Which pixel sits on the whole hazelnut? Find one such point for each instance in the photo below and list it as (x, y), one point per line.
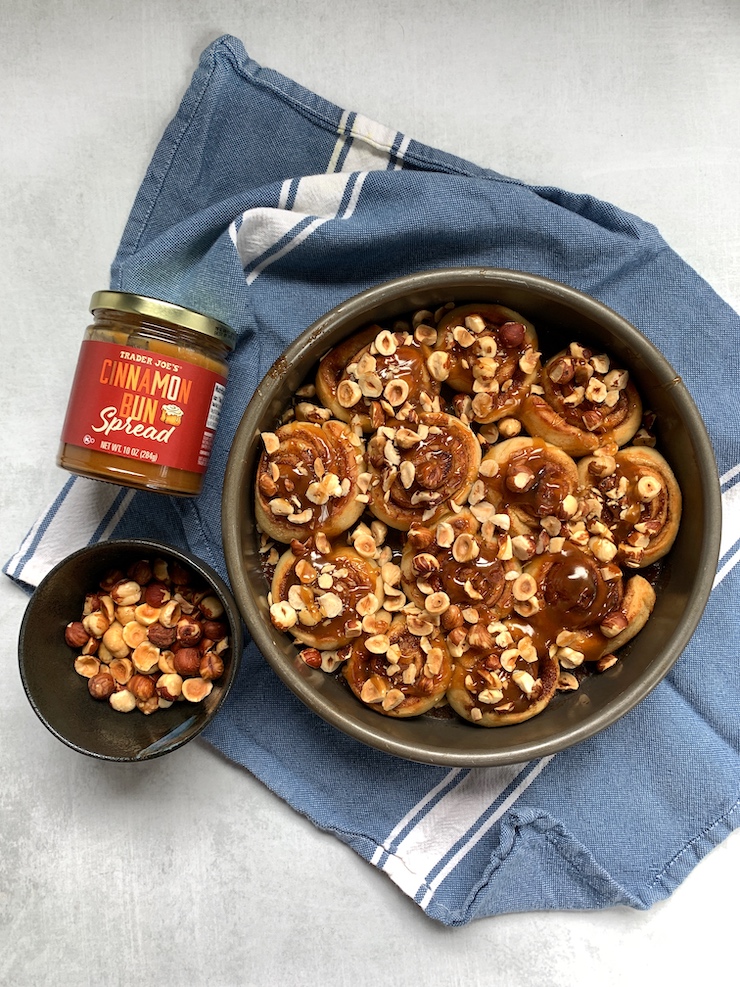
(75, 634)
(125, 593)
(211, 666)
(110, 579)
(188, 631)
(141, 572)
(156, 594)
(179, 575)
(511, 334)
(141, 686)
(452, 618)
(123, 701)
(169, 687)
(211, 607)
(214, 629)
(163, 637)
(101, 686)
(187, 662)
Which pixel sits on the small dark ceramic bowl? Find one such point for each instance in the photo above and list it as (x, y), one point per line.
(59, 696)
(560, 314)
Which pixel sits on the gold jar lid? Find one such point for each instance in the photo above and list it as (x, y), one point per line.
(124, 301)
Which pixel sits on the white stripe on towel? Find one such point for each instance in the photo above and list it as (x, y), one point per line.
(448, 821)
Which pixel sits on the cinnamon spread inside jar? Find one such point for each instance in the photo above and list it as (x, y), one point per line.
(147, 394)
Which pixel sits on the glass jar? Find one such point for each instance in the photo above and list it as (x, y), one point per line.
(147, 394)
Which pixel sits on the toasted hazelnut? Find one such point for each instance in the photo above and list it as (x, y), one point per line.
(141, 686)
(437, 603)
(211, 666)
(121, 669)
(188, 631)
(101, 686)
(211, 607)
(124, 615)
(187, 662)
(613, 624)
(145, 657)
(465, 548)
(196, 689)
(109, 580)
(511, 334)
(524, 587)
(215, 629)
(156, 594)
(87, 665)
(75, 634)
(166, 662)
(123, 701)
(96, 623)
(125, 592)
(169, 687)
(452, 617)
(162, 637)
(141, 572)
(114, 642)
(170, 613)
(146, 614)
(150, 705)
(133, 634)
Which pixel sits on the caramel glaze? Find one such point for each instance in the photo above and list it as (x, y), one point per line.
(442, 467)
(573, 595)
(544, 495)
(486, 573)
(479, 670)
(621, 512)
(418, 696)
(588, 415)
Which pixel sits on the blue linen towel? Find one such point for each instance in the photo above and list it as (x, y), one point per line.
(265, 206)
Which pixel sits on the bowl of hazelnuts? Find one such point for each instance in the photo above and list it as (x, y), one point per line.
(128, 648)
(471, 516)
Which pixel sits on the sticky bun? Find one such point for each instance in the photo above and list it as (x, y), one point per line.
(586, 401)
(307, 480)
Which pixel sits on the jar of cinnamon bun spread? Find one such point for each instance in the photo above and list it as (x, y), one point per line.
(147, 394)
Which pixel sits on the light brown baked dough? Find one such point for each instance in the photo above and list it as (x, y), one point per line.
(530, 479)
(307, 480)
(321, 599)
(454, 564)
(422, 471)
(490, 353)
(587, 401)
(402, 673)
(635, 494)
(384, 380)
(502, 677)
(583, 606)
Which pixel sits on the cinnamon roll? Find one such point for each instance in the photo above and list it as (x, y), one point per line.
(635, 495)
(420, 472)
(307, 480)
(586, 402)
(581, 605)
(322, 599)
(457, 564)
(404, 672)
(503, 676)
(490, 353)
(530, 479)
(384, 380)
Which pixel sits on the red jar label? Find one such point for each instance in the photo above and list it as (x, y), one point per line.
(144, 406)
